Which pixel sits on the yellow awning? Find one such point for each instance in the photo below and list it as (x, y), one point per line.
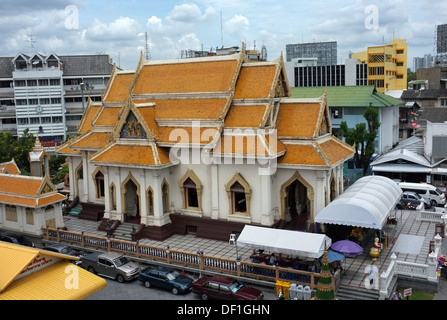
(60, 281)
(34, 274)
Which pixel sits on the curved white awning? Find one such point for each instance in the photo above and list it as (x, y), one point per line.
(366, 203)
(303, 244)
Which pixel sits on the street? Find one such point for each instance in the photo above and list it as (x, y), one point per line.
(135, 290)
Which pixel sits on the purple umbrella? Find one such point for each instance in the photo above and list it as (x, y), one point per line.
(347, 247)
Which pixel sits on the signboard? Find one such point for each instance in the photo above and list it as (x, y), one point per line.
(407, 292)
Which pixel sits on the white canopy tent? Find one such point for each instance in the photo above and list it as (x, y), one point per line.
(367, 204)
(297, 243)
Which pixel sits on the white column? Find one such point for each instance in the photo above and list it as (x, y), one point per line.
(214, 191)
(86, 177)
(266, 200)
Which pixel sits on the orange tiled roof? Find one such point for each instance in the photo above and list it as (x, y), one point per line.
(202, 135)
(302, 155)
(248, 145)
(335, 151)
(245, 116)
(181, 77)
(148, 114)
(17, 184)
(297, 119)
(189, 108)
(66, 149)
(31, 202)
(9, 167)
(255, 82)
(92, 139)
(132, 154)
(91, 113)
(108, 116)
(120, 88)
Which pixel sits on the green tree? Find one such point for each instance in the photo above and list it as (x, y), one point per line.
(17, 149)
(362, 137)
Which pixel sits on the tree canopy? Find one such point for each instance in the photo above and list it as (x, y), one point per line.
(17, 149)
(362, 136)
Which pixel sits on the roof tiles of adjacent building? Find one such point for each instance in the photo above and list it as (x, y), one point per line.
(349, 96)
(28, 191)
(167, 98)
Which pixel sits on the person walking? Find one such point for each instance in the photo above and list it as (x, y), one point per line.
(397, 295)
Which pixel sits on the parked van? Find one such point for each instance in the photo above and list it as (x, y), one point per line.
(426, 190)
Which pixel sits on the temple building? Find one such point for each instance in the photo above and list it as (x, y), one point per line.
(204, 146)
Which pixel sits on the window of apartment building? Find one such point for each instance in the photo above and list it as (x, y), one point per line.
(23, 121)
(55, 100)
(21, 102)
(443, 102)
(55, 82)
(20, 64)
(44, 101)
(20, 83)
(9, 121)
(57, 119)
(73, 118)
(33, 101)
(45, 120)
(400, 51)
(34, 120)
(31, 83)
(399, 76)
(43, 82)
(52, 63)
(400, 64)
(337, 113)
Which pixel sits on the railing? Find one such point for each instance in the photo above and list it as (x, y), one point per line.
(415, 270)
(432, 216)
(197, 260)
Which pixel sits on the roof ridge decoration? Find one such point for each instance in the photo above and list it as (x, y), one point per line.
(324, 124)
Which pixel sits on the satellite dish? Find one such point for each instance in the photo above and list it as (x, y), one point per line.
(36, 62)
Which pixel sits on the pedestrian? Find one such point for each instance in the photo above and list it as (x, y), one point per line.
(397, 295)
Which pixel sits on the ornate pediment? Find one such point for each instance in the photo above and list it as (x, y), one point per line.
(132, 128)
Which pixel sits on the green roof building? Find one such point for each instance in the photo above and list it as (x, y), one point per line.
(348, 103)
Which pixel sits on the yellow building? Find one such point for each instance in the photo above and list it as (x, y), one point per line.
(387, 65)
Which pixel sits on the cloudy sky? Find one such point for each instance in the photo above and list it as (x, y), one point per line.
(118, 28)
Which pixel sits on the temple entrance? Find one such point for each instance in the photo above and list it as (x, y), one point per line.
(296, 207)
(131, 202)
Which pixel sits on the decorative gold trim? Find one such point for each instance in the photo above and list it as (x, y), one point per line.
(310, 195)
(239, 178)
(199, 187)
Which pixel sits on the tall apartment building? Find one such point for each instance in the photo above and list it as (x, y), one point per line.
(47, 94)
(387, 65)
(325, 52)
(424, 62)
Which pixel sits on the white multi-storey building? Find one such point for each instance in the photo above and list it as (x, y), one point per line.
(47, 93)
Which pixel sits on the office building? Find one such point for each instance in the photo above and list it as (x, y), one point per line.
(325, 52)
(387, 65)
(47, 94)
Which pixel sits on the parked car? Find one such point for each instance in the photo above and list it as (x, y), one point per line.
(166, 278)
(66, 249)
(428, 191)
(17, 239)
(414, 199)
(443, 189)
(225, 288)
(110, 264)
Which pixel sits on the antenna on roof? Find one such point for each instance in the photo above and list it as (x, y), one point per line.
(31, 41)
(221, 33)
(148, 54)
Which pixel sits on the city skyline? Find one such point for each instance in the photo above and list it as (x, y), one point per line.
(118, 28)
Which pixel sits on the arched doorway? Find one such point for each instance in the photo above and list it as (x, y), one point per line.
(131, 203)
(297, 204)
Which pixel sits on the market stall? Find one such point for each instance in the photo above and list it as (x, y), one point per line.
(294, 243)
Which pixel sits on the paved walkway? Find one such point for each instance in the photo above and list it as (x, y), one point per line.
(408, 226)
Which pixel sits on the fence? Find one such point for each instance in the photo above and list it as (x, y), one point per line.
(197, 260)
(421, 271)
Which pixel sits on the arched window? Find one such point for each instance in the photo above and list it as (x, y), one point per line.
(150, 202)
(191, 190)
(239, 195)
(191, 198)
(99, 183)
(238, 198)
